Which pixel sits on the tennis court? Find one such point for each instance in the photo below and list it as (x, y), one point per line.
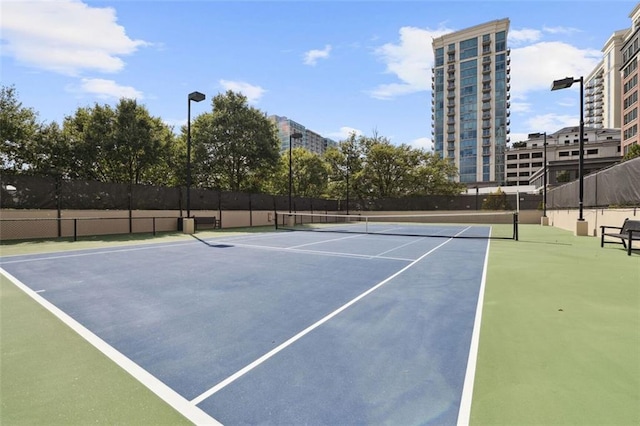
(281, 327)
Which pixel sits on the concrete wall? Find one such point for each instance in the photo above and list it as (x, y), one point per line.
(31, 224)
(567, 219)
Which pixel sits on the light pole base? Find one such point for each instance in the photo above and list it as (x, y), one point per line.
(582, 228)
(544, 221)
(188, 225)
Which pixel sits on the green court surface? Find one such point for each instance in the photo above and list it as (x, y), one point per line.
(559, 343)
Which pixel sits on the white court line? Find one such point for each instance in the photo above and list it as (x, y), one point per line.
(304, 332)
(396, 248)
(319, 252)
(171, 397)
(464, 412)
(326, 241)
(93, 252)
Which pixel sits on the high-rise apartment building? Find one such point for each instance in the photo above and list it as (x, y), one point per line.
(630, 72)
(602, 87)
(470, 100)
(310, 140)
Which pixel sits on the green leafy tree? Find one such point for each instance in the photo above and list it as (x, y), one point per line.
(124, 144)
(496, 201)
(435, 176)
(310, 173)
(344, 164)
(633, 152)
(234, 145)
(53, 152)
(388, 170)
(18, 127)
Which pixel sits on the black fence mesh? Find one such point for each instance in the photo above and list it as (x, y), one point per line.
(33, 192)
(617, 186)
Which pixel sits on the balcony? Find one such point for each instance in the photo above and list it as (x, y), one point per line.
(486, 60)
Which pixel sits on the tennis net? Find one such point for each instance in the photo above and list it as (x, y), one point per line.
(500, 225)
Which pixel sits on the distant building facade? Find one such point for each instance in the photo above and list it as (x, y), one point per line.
(525, 160)
(310, 140)
(603, 87)
(630, 73)
(470, 100)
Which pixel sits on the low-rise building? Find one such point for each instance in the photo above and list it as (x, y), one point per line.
(525, 160)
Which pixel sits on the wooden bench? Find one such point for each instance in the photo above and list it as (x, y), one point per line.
(627, 233)
(210, 222)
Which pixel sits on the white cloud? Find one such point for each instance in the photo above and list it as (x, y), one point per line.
(109, 89)
(536, 66)
(253, 93)
(422, 143)
(552, 122)
(561, 30)
(311, 57)
(524, 35)
(65, 36)
(345, 132)
(410, 60)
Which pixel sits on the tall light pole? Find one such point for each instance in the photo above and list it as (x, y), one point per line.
(348, 170)
(544, 180)
(296, 135)
(563, 84)
(196, 97)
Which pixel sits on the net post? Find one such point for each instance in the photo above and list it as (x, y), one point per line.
(75, 229)
(515, 226)
(276, 220)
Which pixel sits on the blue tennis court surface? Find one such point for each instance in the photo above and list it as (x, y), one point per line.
(283, 327)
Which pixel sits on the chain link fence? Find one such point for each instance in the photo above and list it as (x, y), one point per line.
(617, 186)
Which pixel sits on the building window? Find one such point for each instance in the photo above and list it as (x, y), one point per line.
(536, 155)
(563, 154)
(524, 156)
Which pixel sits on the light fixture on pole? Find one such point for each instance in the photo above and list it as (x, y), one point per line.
(196, 97)
(295, 135)
(564, 84)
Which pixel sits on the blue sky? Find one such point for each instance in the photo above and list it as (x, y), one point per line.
(333, 66)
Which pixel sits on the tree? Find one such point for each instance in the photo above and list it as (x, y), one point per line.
(123, 145)
(18, 127)
(233, 144)
(344, 164)
(310, 173)
(392, 171)
(496, 201)
(435, 176)
(633, 152)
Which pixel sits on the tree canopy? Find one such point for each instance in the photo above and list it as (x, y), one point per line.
(234, 147)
